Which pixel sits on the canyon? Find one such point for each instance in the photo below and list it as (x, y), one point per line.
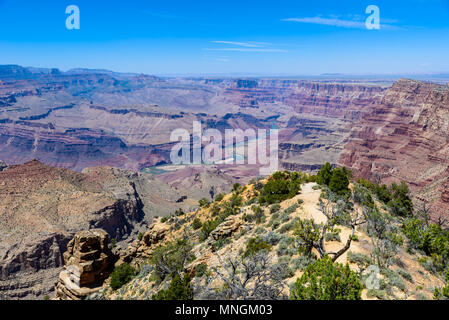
(83, 118)
(90, 149)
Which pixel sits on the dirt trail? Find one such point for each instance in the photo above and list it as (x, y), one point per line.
(311, 202)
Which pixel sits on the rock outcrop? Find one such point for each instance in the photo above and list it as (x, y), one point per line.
(227, 227)
(88, 262)
(155, 234)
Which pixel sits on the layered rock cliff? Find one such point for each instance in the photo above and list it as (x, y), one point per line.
(405, 138)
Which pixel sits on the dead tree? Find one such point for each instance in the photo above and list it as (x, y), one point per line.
(245, 278)
(338, 211)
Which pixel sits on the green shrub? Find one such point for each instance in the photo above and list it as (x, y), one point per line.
(204, 203)
(272, 238)
(122, 275)
(325, 280)
(362, 260)
(222, 242)
(291, 209)
(405, 274)
(339, 182)
(219, 197)
(324, 175)
(308, 234)
(289, 226)
(332, 236)
(281, 186)
(236, 187)
(401, 203)
(394, 279)
(444, 292)
(179, 289)
(431, 239)
(196, 224)
(260, 230)
(302, 262)
(379, 294)
(275, 208)
(286, 246)
(208, 227)
(201, 270)
(258, 213)
(235, 201)
(273, 218)
(256, 245)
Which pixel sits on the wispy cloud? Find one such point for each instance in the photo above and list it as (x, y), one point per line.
(246, 46)
(242, 44)
(246, 49)
(356, 23)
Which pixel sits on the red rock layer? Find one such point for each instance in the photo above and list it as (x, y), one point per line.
(405, 138)
(340, 100)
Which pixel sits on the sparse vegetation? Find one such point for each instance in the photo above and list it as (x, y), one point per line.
(272, 252)
(326, 280)
(121, 276)
(196, 224)
(275, 208)
(385, 237)
(256, 245)
(430, 238)
(204, 203)
(171, 259)
(179, 289)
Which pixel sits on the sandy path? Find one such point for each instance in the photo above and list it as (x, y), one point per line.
(311, 203)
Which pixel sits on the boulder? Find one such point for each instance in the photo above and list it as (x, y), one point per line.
(155, 234)
(227, 227)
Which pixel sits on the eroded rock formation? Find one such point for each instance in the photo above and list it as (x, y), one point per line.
(88, 261)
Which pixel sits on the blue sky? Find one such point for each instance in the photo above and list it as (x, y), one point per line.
(277, 37)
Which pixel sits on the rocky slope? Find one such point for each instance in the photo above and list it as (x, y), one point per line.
(405, 138)
(41, 208)
(406, 278)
